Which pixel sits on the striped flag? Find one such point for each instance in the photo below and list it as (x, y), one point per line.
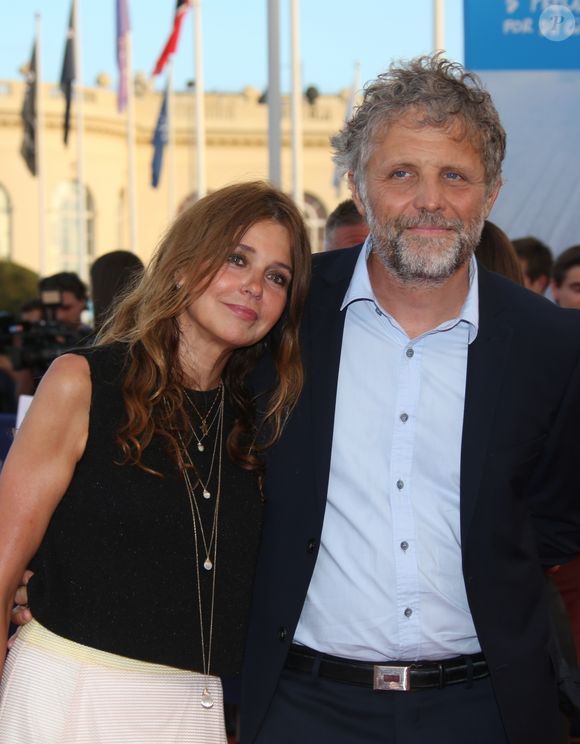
(28, 148)
(171, 45)
(160, 137)
(68, 74)
(123, 29)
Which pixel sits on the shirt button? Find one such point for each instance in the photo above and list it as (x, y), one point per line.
(400, 484)
(404, 545)
(404, 417)
(408, 612)
(409, 352)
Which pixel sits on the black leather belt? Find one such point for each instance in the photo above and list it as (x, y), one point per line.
(393, 675)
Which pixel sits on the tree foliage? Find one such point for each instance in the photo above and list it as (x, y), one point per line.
(17, 286)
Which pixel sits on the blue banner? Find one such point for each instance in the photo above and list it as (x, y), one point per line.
(522, 34)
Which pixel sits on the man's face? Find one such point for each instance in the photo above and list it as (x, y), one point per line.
(70, 309)
(537, 285)
(426, 199)
(568, 293)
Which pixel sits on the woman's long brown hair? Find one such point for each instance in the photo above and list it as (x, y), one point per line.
(194, 248)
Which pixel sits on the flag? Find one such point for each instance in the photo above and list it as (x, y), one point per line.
(159, 141)
(337, 176)
(68, 73)
(171, 45)
(123, 29)
(28, 148)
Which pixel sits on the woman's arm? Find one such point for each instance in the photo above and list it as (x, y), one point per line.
(39, 468)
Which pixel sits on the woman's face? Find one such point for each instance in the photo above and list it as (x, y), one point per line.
(246, 297)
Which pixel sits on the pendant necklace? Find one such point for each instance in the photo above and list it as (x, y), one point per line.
(209, 548)
(204, 426)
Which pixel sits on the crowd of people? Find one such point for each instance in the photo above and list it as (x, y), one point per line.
(348, 480)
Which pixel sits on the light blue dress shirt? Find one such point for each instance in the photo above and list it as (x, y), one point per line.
(388, 582)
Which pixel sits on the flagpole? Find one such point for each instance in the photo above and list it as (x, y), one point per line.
(131, 175)
(438, 25)
(81, 200)
(170, 143)
(199, 101)
(297, 139)
(274, 102)
(39, 144)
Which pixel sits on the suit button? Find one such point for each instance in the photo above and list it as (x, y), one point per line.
(310, 547)
(282, 633)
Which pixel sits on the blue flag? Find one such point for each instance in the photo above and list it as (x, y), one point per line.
(159, 141)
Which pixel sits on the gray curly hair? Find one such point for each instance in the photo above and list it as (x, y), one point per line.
(439, 90)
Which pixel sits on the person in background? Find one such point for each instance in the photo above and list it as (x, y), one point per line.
(112, 276)
(536, 261)
(32, 311)
(496, 252)
(345, 227)
(565, 284)
(70, 297)
(136, 474)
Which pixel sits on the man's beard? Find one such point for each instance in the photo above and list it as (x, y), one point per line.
(417, 259)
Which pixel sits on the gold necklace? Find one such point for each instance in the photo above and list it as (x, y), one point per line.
(208, 564)
(204, 426)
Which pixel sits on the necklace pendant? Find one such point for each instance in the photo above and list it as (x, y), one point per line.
(203, 428)
(200, 447)
(207, 564)
(206, 699)
(206, 494)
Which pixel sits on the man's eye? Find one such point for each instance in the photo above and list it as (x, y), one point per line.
(400, 173)
(453, 176)
(237, 259)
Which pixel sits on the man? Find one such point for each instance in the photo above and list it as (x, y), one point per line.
(566, 278)
(345, 227)
(428, 472)
(70, 296)
(536, 262)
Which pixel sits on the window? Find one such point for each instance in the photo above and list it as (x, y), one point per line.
(64, 250)
(5, 224)
(315, 216)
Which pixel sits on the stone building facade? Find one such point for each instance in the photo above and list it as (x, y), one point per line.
(237, 149)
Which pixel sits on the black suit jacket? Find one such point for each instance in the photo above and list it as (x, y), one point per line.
(520, 491)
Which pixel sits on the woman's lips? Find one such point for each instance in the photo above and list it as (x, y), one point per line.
(242, 311)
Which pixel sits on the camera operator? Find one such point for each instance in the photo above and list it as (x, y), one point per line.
(70, 302)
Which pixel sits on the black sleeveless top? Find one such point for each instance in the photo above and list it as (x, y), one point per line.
(116, 569)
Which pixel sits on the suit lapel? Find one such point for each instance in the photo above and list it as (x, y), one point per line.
(486, 362)
(327, 326)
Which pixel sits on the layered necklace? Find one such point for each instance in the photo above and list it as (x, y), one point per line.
(206, 545)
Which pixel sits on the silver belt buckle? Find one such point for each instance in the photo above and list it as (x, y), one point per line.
(392, 678)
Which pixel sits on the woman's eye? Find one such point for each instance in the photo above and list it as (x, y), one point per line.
(280, 279)
(237, 259)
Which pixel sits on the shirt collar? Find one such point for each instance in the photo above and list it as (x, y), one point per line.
(360, 289)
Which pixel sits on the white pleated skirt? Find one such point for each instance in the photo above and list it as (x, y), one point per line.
(54, 691)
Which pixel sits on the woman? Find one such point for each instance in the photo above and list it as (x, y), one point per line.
(134, 481)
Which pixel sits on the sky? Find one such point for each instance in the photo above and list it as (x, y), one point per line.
(335, 36)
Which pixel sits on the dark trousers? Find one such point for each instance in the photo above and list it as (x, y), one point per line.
(313, 710)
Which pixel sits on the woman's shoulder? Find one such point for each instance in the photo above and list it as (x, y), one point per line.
(107, 362)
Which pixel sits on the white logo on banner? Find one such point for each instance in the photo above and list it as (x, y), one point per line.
(557, 23)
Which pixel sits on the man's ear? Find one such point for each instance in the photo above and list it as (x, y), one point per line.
(492, 197)
(355, 195)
